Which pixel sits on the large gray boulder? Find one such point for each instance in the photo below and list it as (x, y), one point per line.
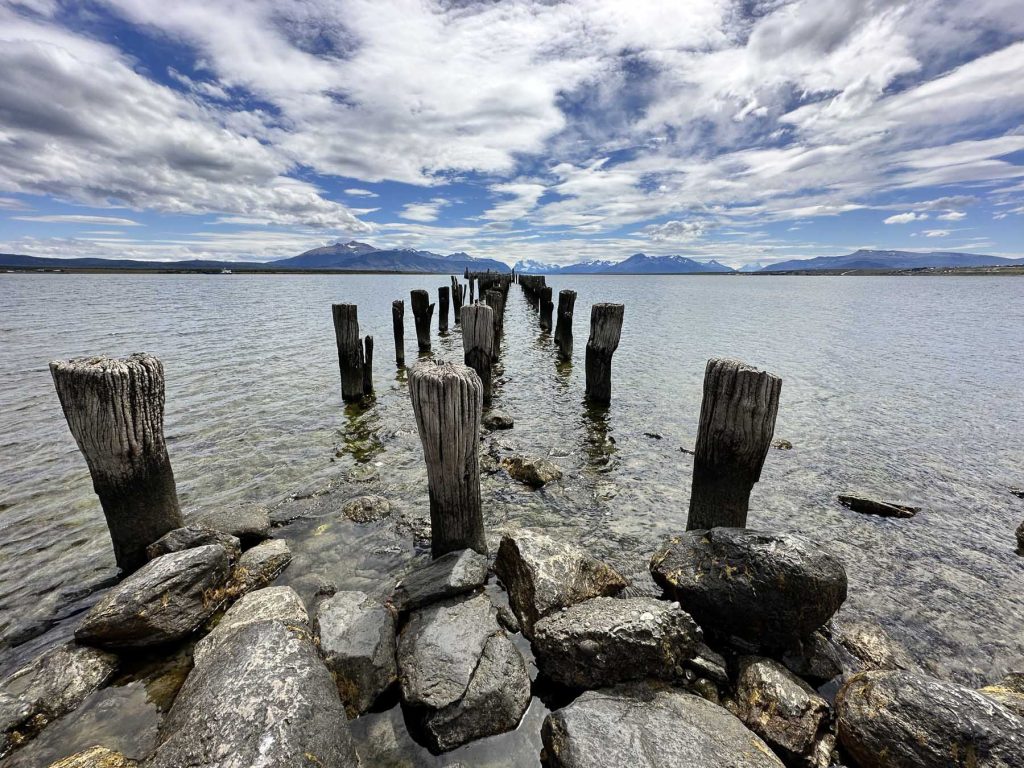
(191, 537)
(454, 573)
(281, 604)
(461, 677)
(770, 591)
(898, 719)
(357, 640)
(608, 640)
(249, 523)
(816, 659)
(165, 600)
(259, 566)
(784, 711)
(542, 575)
(634, 726)
(260, 697)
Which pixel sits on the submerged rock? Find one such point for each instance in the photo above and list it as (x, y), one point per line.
(357, 640)
(260, 697)
(367, 509)
(259, 566)
(784, 711)
(608, 640)
(816, 659)
(902, 719)
(97, 757)
(769, 590)
(498, 420)
(535, 471)
(872, 646)
(165, 600)
(249, 523)
(191, 537)
(542, 575)
(451, 574)
(1009, 692)
(634, 726)
(881, 508)
(782, 445)
(280, 604)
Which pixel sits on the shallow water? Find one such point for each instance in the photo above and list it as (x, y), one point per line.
(901, 388)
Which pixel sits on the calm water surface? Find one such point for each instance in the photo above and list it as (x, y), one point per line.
(902, 388)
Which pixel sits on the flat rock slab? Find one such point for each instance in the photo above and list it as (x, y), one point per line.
(636, 727)
(608, 640)
(871, 646)
(784, 711)
(769, 590)
(191, 537)
(261, 697)
(542, 575)
(280, 604)
(454, 573)
(357, 641)
(165, 600)
(367, 509)
(880, 508)
(259, 566)
(249, 523)
(535, 471)
(907, 720)
(97, 757)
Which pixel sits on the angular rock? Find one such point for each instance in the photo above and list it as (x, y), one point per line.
(280, 604)
(191, 537)
(542, 575)
(357, 641)
(97, 757)
(261, 697)
(367, 509)
(259, 566)
(710, 665)
(897, 718)
(535, 471)
(608, 640)
(634, 726)
(451, 574)
(249, 523)
(782, 709)
(51, 686)
(495, 700)
(768, 590)
(816, 659)
(498, 420)
(1009, 692)
(164, 601)
(880, 508)
(872, 646)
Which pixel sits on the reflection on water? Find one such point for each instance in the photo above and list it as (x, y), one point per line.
(902, 388)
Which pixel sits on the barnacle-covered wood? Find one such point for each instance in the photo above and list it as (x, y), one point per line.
(115, 409)
(478, 343)
(605, 329)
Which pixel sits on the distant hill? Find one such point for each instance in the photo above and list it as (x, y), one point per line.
(530, 267)
(867, 259)
(18, 261)
(755, 266)
(637, 264)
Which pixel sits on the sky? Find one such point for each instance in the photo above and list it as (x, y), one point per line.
(736, 130)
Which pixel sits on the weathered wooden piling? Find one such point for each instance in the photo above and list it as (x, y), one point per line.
(422, 311)
(478, 343)
(496, 301)
(472, 292)
(447, 399)
(737, 420)
(546, 307)
(350, 350)
(442, 308)
(398, 324)
(115, 410)
(368, 365)
(563, 326)
(457, 299)
(532, 285)
(605, 328)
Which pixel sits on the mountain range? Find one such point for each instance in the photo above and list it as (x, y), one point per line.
(866, 259)
(637, 264)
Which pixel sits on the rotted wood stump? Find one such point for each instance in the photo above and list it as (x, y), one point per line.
(737, 420)
(605, 329)
(563, 327)
(442, 308)
(350, 351)
(447, 399)
(478, 343)
(115, 410)
(422, 311)
(495, 299)
(368, 365)
(457, 299)
(546, 307)
(398, 324)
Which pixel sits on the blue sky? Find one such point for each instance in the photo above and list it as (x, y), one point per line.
(741, 131)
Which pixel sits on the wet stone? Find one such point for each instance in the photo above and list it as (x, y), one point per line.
(249, 523)
(280, 604)
(357, 641)
(1009, 692)
(453, 573)
(97, 757)
(871, 646)
(191, 537)
(367, 509)
(534, 471)
(165, 600)
(494, 420)
(259, 566)
(1020, 536)
(816, 659)
(709, 664)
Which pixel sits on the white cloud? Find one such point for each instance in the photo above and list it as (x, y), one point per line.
(426, 211)
(81, 219)
(356, 192)
(937, 232)
(951, 216)
(676, 231)
(906, 218)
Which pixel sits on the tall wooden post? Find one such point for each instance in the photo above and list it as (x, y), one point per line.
(442, 308)
(368, 365)
(422, 311)
(457, 299)
(546, 306)
(472, 291)
(398, 324)
(447, 399)
(563, 327)
(350, 351)
(478, 343)
(605, 328)
(115, 410)
(737, 420)
(496, 301)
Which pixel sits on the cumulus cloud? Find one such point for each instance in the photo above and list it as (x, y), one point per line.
(906, 218)
(951, 216)
(676, 231)
(426, 211)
